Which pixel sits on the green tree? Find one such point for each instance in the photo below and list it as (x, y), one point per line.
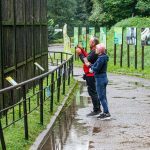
(80, 13)
(61, 11)
(143, 7)
(109, 12)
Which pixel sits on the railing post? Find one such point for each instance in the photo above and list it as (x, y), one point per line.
(69, 73)
(58, 85)
(2, 137)
(25, 112)
(61, 57)
(52, 91)
(64, 78)
(72, 65)
(41, 100)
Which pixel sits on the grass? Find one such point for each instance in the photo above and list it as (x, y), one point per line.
(14, 135)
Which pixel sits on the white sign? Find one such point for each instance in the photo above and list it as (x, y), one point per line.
(11, 81)
(58, 30)
(39, 66)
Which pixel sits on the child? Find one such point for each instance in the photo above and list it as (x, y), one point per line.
(100, 73)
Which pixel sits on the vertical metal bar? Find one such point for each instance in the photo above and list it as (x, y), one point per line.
(41, 100)
(115, 47)
(61, 57)
(6, 117)
(135, 56)
(128, 55)
(142, 57)
(2, 137)
(29, 104)
(25, 112)
(52, 91)
(75, 53)
(12, 102)
(72, 61)
(69, 73)
(20, 104)
(54, 55)
(64, 79)
(58, 85)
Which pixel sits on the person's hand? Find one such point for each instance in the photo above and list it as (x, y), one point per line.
(90, 70)
(78, 51)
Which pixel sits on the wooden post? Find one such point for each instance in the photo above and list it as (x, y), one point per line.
(15, 58)
(114, 54)
(142, 57)
(135, 56)
(1, 60)
(121, 55)
(128, 55)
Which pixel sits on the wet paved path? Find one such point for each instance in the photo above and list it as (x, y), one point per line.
(129, 128)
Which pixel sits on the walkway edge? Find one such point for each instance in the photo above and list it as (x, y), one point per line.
(40, 140)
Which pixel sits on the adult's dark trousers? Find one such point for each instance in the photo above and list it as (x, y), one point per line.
(91, 86)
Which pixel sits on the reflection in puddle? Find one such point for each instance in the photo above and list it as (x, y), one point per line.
(96, 130)
(66, 133)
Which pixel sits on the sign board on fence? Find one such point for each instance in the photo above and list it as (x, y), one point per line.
(11, 81)
(66, 39)
(58, 30)
(118, 35)
(131, 36)
(103, 34)
(91, 32)
(48, 91)
(76, 36)
(145, 36)
(39, 66)
(84, 37)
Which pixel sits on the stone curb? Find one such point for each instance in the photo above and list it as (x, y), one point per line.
(43, 136)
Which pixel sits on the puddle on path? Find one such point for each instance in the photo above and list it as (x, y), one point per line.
(69, 132)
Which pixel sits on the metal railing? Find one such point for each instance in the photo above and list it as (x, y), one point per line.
(32, 97)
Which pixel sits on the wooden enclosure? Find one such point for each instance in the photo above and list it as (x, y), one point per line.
(23, 39)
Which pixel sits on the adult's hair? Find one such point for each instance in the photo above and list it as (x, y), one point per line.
(95, 40)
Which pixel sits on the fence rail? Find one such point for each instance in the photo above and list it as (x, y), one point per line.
(44, 88)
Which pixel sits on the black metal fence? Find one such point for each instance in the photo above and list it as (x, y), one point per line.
(44, 88)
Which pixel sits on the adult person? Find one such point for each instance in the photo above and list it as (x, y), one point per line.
(100, 73)
(90, 57)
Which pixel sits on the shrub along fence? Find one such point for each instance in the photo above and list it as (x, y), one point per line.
(47, 84)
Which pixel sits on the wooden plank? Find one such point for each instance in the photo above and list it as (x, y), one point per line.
(8, 46)
(1, 58)
(20, 44)
(29, 12)
(7, 12)
(43, 12)
(20, 12)
(36, 12)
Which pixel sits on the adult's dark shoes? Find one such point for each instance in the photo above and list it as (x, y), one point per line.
(93, 113)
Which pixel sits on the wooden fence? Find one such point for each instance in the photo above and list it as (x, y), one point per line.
(23, 40)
